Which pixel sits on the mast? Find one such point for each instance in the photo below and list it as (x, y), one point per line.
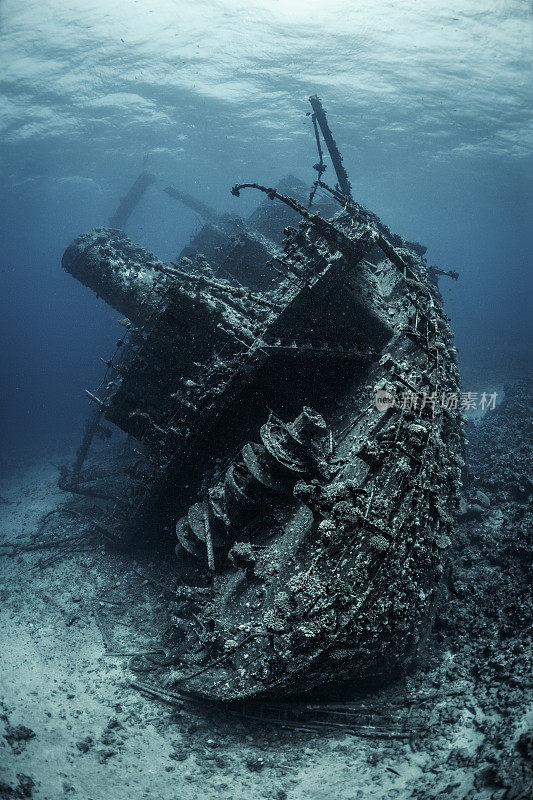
(319, 115)
(125, 208)
(130, 201)
(206, 212)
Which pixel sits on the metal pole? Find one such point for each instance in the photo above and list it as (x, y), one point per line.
(320, 116)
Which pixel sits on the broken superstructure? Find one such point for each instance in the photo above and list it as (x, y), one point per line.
(311, 525)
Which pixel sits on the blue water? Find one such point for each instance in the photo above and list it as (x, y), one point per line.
(429, 101)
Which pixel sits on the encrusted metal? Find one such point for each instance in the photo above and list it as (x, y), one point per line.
(309, 551)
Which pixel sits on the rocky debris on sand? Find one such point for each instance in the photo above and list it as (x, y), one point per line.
(85, 744)
(24, 788)
(484, 627)
(17, 736)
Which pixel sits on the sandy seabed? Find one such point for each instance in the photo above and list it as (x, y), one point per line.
(72, 724)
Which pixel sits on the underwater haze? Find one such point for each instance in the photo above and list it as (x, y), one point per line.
(429, 101)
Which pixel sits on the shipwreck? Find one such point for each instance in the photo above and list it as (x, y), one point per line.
(309, 523)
